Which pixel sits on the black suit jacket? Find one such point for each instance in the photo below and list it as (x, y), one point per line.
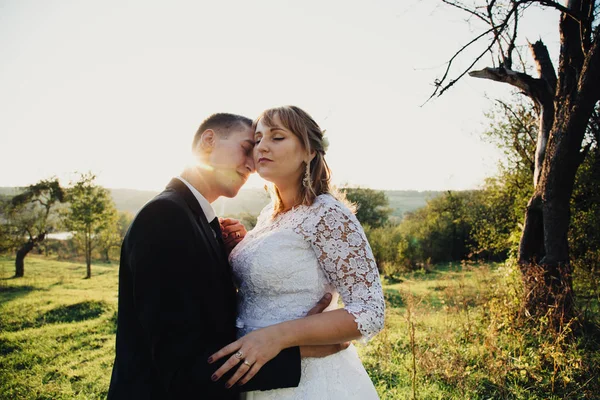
(177, 307)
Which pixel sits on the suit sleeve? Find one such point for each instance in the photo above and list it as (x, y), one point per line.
(167, 289)
(281, 372)
(168, 295)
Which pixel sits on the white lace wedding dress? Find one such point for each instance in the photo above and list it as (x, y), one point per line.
(285, 265)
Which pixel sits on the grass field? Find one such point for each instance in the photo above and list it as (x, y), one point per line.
(444, 338)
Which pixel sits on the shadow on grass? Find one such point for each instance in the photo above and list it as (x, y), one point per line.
(13, 289)
(9, 293)
(62, 314)
(73, 312)
(393, 298)
(7, 347)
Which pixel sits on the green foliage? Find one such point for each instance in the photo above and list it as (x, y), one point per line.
(57, 331)
(513, 128)
(109, 239)
(30, 214)
(584, 235)
(384, 242)
(372, 206)
(57, 335)
(487, 223)
(6, 241)
(499, 214)
(471, 342)
(91, 214)
(27, 217)
(43, 192)
(441, 231)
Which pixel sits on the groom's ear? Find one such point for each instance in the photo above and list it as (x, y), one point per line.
(207, 140)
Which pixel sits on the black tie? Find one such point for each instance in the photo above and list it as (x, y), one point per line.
(216, 227)
(214, 224)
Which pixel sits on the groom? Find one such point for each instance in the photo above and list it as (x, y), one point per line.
(176, 297)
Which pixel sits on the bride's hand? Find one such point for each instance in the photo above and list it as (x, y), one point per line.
(250, 352)
(257, 348)
(233, 232)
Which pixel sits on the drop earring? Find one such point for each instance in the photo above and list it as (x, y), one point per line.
(306, 179)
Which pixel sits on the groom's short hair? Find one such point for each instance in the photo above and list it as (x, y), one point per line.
(222, 124)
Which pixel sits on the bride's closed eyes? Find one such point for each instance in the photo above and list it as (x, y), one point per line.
(258, 138)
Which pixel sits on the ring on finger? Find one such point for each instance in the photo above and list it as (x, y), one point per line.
(239, 355)
(247, 363)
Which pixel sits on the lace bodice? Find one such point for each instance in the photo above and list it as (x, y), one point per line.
(286, 263)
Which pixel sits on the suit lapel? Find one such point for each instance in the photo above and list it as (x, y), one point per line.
(205, 227)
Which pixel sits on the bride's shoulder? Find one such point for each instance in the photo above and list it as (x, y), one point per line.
(325, 203)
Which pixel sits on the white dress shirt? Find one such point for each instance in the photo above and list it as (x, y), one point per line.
(208, 210)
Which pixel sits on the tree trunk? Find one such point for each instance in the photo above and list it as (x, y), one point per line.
(565, 102)
(531, 246)
(88, 256)
(549, 283)
(544, 256)
(22, 253)
(20, 260)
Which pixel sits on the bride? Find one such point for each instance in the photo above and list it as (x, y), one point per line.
(305, 243)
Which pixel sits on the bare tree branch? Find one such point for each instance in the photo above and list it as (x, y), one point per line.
(589, 79)
(517, 79)
(498, 30)
(462, 7)
(438, 82)
(573, 14)
(511, 46)
(497, 35)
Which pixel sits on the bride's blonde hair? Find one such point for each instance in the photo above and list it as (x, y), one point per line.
(301, 124)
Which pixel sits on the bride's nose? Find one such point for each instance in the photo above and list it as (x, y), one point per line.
(261, 147)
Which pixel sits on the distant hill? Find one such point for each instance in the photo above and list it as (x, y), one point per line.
(8, 191)
(131, 200)
(247, 201)
(408, 200)
(251, 201)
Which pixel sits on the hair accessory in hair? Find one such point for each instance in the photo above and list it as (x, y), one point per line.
(325, 142)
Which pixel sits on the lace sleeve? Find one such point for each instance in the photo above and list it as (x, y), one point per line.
(347, 260)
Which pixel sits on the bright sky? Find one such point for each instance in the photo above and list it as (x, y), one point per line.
(120, 87)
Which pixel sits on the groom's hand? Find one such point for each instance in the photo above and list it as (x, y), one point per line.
(233, 232)
(321, 305)
(324, 350)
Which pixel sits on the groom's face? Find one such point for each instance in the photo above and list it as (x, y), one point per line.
(231, 158)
